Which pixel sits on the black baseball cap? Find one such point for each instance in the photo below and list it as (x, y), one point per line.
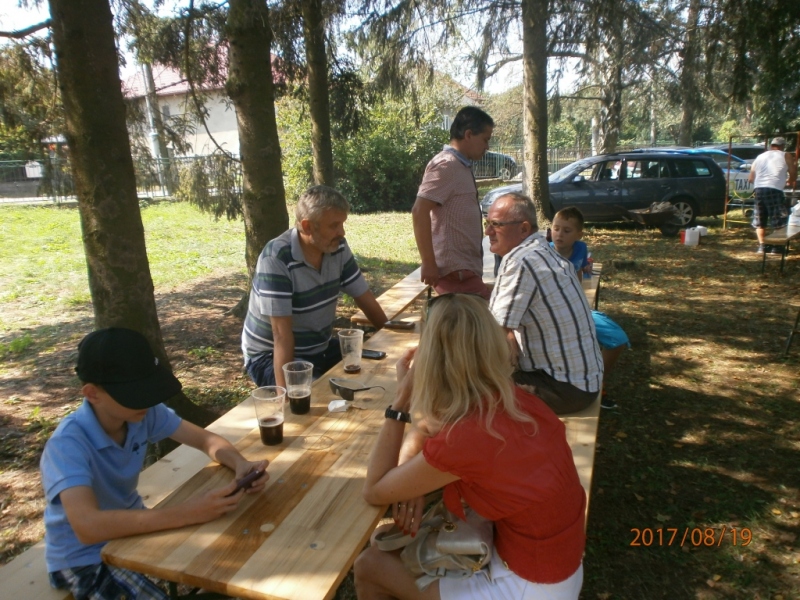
(122, 362)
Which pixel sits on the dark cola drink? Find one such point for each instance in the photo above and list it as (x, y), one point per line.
(352, 368)
(300, 401)
(271, 430)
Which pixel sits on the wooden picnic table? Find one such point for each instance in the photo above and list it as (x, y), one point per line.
(298, 538)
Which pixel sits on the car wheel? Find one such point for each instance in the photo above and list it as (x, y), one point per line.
(687, 213)
(505, 173)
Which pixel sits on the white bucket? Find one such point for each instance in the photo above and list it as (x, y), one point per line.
(692, 237)
(703, 230)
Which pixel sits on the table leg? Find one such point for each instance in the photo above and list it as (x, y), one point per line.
(791, 334)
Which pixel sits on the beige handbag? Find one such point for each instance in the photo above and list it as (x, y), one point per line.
(444, 546)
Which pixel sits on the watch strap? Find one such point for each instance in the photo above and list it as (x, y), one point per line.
(397, 415)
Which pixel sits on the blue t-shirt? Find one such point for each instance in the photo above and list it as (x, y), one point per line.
(81, 453)
(580, 255)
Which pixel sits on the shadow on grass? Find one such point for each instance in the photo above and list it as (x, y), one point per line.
(708, 432)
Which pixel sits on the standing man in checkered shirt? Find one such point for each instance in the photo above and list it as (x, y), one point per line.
(446, 214)
(769, 173)
(541, 305)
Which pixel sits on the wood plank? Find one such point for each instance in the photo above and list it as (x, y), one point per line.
(783, 235)
(25, 578)
(397, 298)
(582, 438)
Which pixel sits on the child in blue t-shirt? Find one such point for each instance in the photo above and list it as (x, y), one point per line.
(90, 467)
(567, 230)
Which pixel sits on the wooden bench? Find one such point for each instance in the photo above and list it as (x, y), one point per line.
(780, 237)
(25, 577)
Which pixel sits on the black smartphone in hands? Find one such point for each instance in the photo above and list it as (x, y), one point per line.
(245, 482)
(373, 354)
(399, 325)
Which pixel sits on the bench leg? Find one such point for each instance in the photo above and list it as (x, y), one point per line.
(194, 594)
(791, 335)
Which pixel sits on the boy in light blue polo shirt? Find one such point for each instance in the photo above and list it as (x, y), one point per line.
(90, 467)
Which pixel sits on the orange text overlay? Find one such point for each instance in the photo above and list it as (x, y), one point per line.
(692, 536)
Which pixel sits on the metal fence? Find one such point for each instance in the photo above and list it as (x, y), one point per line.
(50, 179)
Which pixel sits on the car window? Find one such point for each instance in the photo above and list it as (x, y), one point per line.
(647, 169)
(607, 170)
(569, 172)
(691, 168)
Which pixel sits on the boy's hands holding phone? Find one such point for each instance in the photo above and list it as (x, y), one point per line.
(253, 481)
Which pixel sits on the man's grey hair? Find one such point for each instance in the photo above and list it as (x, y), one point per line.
(521, 209)
(316, 200)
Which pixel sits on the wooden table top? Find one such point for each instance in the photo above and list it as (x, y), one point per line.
(298, 538)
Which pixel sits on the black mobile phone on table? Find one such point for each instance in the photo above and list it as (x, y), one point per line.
(399, 325)
(246, 482)
(373, 354)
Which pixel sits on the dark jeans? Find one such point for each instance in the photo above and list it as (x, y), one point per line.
(563, 398)
(262, 369)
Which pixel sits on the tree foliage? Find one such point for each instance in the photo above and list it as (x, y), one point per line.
(378, 167)
(30, 107)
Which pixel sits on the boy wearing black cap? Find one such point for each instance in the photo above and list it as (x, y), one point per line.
(91, 464)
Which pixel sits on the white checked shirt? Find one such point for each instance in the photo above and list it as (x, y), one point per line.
(538, 295)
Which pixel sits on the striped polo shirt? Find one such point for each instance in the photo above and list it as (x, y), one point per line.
(285, 285)
(537, 295)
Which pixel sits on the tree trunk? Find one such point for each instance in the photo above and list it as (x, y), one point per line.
(611, 109)
(158, 141)
(102, 168)
(688, 79)
(319, 103)
(252, 91)
(534, 57)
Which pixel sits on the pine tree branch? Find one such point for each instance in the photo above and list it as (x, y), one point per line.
(22, 33)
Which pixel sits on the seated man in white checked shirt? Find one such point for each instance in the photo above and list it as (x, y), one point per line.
(541, 305)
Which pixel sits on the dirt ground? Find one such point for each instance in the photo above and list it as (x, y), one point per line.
(707, 435)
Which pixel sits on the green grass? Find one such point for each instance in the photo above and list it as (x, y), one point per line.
(43, 269)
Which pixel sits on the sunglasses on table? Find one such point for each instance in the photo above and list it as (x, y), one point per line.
(347, 388)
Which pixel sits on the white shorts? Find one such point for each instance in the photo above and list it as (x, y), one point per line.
(505, 585)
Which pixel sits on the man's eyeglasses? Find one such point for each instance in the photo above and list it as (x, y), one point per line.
(498, 224)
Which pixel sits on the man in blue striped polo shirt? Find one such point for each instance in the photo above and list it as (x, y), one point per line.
(296, 289)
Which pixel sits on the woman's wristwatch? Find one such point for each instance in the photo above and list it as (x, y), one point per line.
(397, 415)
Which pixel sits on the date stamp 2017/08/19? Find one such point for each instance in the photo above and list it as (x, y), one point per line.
(691, 536)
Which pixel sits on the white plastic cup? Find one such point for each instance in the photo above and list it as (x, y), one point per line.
(351, 342)
(269, 403)
(298, 376)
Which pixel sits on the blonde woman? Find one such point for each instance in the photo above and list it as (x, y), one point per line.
(498, 449)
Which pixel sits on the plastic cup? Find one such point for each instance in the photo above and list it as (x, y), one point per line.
(298, 377)
(351, 342)
(269, 403)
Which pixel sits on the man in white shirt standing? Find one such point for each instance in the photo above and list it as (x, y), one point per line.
(769, 173)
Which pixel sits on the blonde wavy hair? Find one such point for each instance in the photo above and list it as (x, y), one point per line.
(463, 366)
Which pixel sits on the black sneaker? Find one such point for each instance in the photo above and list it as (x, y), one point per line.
(761, 249)
(608, 403)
